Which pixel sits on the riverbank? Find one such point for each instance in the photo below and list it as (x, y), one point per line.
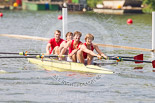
(91, 4)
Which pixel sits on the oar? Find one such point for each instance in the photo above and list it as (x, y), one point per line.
(136, 61)
(36, 56)
(20, 53)
(137, 57)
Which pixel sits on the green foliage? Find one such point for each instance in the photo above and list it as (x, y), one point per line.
(147, 9)
(150, 4)
(92, 3)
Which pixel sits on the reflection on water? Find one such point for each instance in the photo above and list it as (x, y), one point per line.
(25, 82)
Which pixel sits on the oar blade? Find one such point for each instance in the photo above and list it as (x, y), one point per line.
(153, 63)
(138, 68)
(139, 57)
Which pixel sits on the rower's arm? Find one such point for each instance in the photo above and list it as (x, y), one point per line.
(65, 48)
(62, 46)
(75, 50)
(99, 51)
(84, 49)
(48, 48)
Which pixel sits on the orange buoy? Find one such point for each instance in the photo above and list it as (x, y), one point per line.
(60, 17)
(15, 4)
(119, 7)
(129, 21)
(1, 14)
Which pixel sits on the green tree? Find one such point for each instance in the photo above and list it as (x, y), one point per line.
(150, 3)
(92, 3)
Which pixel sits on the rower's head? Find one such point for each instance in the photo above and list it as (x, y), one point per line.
(89, 38)
(77, 35)
(69, 36)
(57, 34)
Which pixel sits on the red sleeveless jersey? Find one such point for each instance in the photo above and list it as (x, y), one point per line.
(71, 48)
(84, 53)
(54, 43)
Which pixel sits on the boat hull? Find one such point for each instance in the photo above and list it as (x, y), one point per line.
(57, 65)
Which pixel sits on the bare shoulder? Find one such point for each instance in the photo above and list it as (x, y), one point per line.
(82, 46)
(63, 42)
(94, 45)
(48, 44)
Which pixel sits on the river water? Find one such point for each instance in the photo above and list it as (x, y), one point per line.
(25, 82)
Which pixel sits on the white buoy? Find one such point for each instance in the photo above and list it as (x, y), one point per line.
(64, 20)
(153, 30)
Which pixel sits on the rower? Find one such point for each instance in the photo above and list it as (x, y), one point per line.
(86, 50)
(54, 43)
(69, 37)
(73, 46)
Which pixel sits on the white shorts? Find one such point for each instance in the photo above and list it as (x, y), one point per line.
(68, 59)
